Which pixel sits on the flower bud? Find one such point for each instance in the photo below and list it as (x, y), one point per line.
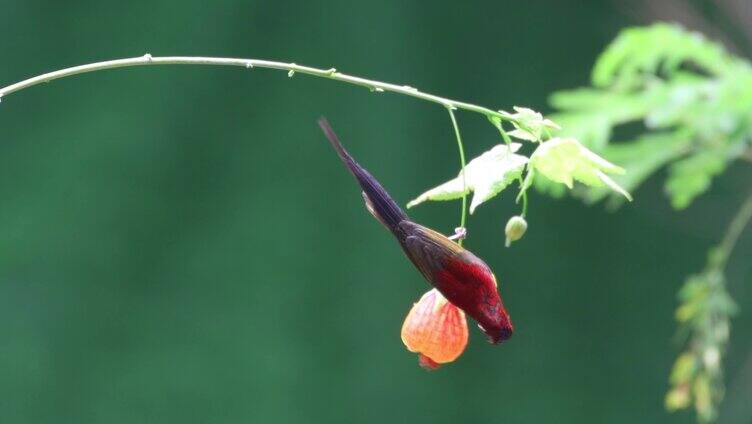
(435, 329)
(515, 229)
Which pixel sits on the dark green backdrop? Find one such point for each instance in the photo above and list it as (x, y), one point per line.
(180, 244)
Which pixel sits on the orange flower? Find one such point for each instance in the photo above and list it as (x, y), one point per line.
(436, 330)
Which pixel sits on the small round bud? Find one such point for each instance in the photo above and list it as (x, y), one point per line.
(515, 229)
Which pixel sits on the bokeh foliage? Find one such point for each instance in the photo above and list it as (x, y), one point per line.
(181, 245)
(691, 102)
(692, 98)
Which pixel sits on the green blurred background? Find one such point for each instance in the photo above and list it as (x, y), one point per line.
(180, 244)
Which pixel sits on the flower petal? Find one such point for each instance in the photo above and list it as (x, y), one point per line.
(435, 329)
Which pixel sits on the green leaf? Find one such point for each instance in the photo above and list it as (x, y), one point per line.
(684, 367)
(694, 287)
(529, 124)
(640, 159)
(643, 51)
(722, 302)
(487, 175)
(565, 160)
(703, 398)
(526, 135)
(589, 115)
(677, 398)
(690, 177)
(616, 106)
(683, 97)
(550, 188)
(593, 130)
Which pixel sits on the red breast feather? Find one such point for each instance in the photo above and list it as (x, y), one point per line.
(463, 278)
(469, 283)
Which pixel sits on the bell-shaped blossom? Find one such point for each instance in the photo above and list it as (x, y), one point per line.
(436, 330)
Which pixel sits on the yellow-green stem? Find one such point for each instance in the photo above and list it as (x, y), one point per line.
(463, 216)
(523, 193)
(291, 68)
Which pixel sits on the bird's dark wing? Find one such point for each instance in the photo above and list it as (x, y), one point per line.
(428, 250)
(378, 201)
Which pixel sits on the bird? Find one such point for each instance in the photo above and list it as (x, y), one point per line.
(463, 278)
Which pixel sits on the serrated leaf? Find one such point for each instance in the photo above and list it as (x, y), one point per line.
(640, 159)
(591, 129)
(487, 175)
(590, 114)
(529, 124)
(642, 51)
(690, 177)
(523, 135)
(682, 96)
(616, 106)
(550, 188)
(565, 160)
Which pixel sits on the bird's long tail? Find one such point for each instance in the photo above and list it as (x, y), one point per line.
(378, 201)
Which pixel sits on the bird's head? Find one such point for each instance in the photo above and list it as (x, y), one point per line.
(492, 316)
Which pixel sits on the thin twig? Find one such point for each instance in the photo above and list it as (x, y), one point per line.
(747, 155)
(461, 148)
(291, 68)
(734, 231)
(523, 190)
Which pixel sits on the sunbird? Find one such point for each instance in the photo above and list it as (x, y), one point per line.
(463, 278)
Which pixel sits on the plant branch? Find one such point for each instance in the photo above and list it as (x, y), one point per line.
(523, 190)
(747, 155)
(291, 68)
(461, 148)
(733, 232)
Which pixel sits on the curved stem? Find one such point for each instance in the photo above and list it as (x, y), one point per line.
(734, 231)
(524, 199)
(707, 318)
(747, 155)
(291, 68)
(523, 190)
(461, 148)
